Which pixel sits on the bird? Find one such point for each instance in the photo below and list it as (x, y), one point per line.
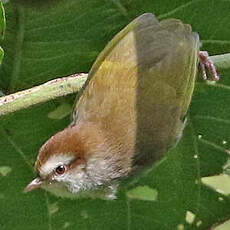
(130, 112)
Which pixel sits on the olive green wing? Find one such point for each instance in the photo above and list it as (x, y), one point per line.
(141, 85)
(109, 96)
(167, 68)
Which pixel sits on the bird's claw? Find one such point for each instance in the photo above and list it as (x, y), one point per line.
(207, 64)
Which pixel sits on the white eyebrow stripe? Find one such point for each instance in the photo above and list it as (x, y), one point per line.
(55, 161)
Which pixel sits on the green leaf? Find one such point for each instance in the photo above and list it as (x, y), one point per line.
(4, 170)
(48, 39)
(61, 111)
(220, 183)
(2, 21)
(224, 226)
(1, 54)
(142, 193)
(2, 29)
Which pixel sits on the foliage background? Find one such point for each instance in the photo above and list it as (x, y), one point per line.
(48, 39)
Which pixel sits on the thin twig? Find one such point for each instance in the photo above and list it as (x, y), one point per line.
(39, 94)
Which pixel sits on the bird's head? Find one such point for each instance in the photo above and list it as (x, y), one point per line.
(71, 162)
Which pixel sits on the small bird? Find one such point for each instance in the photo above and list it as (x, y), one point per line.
(130, 112)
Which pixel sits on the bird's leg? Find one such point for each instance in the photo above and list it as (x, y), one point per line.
(207, 64)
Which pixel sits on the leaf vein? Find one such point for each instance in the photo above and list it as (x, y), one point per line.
(195, 146)
(19, 47)
(120, 7)
(213, 41)
(16, 147)
(48, 211)
(212, 118)
(210, 143)
(165, 15)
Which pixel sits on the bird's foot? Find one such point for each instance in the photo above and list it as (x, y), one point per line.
(206, 64)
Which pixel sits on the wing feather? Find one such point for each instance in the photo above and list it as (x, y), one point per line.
(141, 85)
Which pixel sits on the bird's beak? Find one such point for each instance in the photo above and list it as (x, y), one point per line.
(36, 183)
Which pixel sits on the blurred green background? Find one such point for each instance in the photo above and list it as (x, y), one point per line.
(53, 38)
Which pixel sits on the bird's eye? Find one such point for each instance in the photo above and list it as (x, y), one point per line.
(60, 169)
